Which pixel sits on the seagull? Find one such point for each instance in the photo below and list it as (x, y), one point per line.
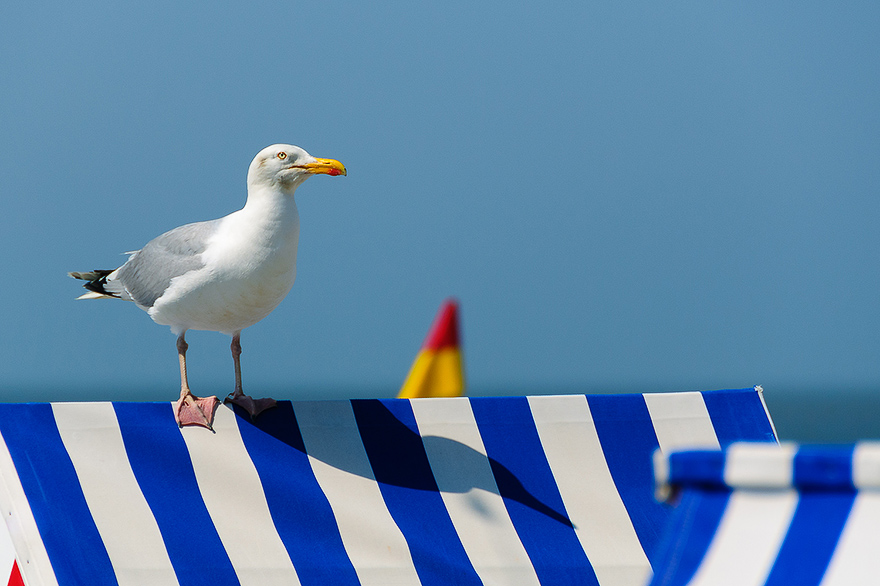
(222, 275)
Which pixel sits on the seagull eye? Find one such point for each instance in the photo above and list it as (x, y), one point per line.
(282, 155)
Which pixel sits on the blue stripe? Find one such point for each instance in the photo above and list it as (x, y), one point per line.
(697, 467)
(49, 480)
(526, 483)
(738, 415)
(400, 464)
(809, 544)
(163, 469)
(626, 433)
(691, 528)
(299, 508)
(825, 467)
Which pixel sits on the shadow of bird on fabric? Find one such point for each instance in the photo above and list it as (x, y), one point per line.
(396, 455)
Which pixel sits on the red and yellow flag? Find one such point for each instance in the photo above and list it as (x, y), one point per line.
(437, 370)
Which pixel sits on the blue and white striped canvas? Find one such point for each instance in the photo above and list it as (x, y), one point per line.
(527, 490)
(772, 515)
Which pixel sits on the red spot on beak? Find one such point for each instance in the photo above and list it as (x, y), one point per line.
(334, 172)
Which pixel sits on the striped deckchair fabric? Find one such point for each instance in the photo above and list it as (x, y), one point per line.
(9, 573)
(767, 515)
(526, 490)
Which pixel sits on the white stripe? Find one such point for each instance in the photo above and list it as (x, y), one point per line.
(681, 421)
(91, 436)
(748, 539)
(760, 465)
(866, 465)
(856, 561)
(7, 568)
(662, 490)
(374, 543)
(571, 445)
(7, 553)
(35, 567)
(464, 476)
(234, 497)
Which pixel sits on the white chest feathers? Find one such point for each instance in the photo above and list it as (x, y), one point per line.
(249, 267)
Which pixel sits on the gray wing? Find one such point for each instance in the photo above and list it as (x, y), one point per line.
(149, 271)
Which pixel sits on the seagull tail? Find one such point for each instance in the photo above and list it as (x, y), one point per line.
(95, 282)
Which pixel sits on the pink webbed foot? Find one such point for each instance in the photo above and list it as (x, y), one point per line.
(249, 404)
(192, 410)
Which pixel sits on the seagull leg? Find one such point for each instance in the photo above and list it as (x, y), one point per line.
(192, 410)
(249, 404)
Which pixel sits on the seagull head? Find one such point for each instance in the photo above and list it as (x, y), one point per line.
(285, 166)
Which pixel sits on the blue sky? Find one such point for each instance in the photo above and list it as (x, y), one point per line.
(623, 196)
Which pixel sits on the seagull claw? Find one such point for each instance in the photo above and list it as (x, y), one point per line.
(253, 406)
(192, 410)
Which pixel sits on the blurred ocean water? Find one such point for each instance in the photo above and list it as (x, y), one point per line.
(825, 416)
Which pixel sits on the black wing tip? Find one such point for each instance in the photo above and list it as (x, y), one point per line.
(90, 275)
(95, 281)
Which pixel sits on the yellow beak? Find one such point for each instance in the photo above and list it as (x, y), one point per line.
(325, 166)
